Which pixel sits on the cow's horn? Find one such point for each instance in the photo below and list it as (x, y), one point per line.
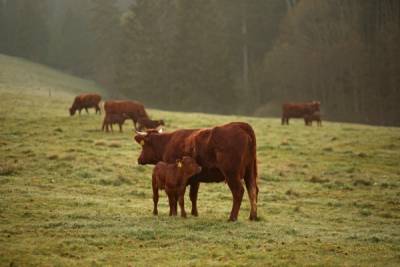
(160, 130)
(140, 133)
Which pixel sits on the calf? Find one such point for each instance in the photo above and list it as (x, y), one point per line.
(309, 118)
(146, 123)
(114, 118)
(173, 178)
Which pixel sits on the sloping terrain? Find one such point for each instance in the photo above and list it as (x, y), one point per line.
(73, 195)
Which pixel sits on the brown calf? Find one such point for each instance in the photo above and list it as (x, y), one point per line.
(146, 123)
(173, 178)
(113, 118)
(85, 101)
(316, 116)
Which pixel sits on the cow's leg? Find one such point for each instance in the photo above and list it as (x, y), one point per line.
(252, 190)
(104, 124)
(120, 127)
(194, 189)
(98, 109)
(181, 196)
(171, 203)
(283, 120)
(112, 130)
(87, 111)
(155, 195)
(235, 185)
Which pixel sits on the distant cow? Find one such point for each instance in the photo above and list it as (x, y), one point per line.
(133, 109)
(85, 101)
(114, 118)
(316, 116)
(298, 110)
(146, 123)
(173, 178)
(225, 153)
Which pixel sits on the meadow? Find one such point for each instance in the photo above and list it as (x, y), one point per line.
(72, 195)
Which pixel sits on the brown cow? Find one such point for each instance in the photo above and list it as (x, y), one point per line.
(146, 123)
(85, 101)
(316, 116)
(298, 110)
(225, 153)
(114, 118)
(173, 178)
(133, 109)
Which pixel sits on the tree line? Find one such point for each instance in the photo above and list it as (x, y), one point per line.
(222, 56)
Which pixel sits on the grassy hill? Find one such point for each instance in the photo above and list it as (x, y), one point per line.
(73, 195)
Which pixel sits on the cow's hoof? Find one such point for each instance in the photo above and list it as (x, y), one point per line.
(155, 213)
(195, 213)
(232, 219)
(253, 218)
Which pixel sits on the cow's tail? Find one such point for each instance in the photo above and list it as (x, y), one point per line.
(251, 175)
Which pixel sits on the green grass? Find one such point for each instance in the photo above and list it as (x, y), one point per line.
(72, 195)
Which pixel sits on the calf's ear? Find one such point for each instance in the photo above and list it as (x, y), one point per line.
(179, 163)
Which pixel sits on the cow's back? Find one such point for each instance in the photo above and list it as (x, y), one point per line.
(125, 106)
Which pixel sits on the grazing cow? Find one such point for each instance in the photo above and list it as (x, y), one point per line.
(146, 123)
(85, 101)
(309, 118)
(225, 153)
(114, 118)
(298, 110)
(173, 178)
(133, 109)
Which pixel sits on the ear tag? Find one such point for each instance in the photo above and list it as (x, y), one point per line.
(179, 164)
(142, 143)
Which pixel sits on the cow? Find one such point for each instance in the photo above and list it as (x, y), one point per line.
(114, 118)
(85, 101)
(309, 118)
(133, 109)
(298, 110)
(225, 153)
(146, 123)
(173, 179)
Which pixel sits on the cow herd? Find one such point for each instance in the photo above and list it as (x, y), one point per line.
(188, 157)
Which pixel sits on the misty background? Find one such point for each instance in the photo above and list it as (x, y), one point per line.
(221, 56)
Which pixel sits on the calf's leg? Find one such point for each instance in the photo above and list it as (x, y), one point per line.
(155, 194)
(181, 198)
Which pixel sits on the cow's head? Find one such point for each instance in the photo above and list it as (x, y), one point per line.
(72, 111)
(150, 150)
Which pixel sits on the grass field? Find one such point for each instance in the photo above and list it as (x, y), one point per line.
(71, 195)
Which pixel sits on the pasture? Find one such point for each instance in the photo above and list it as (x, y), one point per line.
(71, 195)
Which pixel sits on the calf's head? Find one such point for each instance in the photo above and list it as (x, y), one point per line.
(189, 166)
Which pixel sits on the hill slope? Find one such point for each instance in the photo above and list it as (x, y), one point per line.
(73, 195)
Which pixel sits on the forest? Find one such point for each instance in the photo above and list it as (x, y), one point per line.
(221, 56)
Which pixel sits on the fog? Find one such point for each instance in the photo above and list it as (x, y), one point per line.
(225, 56)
